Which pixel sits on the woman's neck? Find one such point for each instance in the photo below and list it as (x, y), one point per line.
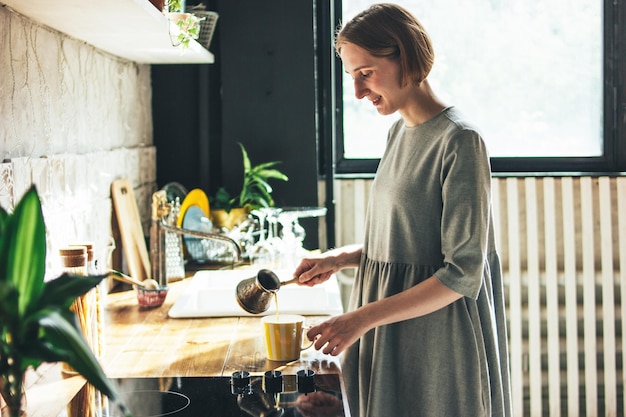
(422, 106)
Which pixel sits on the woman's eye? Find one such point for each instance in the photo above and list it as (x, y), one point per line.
(366, 74)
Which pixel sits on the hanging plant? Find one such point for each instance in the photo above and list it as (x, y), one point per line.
(183, 28)
(175, 6)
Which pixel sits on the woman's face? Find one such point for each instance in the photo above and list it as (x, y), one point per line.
(375, 78)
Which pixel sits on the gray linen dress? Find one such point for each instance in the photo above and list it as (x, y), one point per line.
(429, 214)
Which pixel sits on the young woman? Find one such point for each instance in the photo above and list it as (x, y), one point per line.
(425, 334)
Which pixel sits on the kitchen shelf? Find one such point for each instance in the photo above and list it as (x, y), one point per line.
(130, 29)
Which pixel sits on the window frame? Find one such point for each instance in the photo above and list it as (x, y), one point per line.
(614, 102)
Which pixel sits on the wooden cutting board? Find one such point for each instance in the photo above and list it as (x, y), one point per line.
(129, 221)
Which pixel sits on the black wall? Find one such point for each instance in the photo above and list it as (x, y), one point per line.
(260, 91)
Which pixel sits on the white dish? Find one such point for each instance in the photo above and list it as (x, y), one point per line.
(196, 220)
(212, 294)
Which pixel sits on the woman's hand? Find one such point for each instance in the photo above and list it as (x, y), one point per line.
(317, 269)
(336, 334)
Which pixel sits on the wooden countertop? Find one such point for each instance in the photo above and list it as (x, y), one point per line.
(147, 343)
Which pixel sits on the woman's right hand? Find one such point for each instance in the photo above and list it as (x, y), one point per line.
(315, 270)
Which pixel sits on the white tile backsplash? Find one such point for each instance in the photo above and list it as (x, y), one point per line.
(72, 120)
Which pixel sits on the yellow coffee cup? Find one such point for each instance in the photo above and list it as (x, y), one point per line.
(284, 338)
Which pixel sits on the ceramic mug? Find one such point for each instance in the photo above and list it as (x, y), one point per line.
(284, 337)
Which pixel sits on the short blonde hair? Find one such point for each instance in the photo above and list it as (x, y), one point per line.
(390, 31)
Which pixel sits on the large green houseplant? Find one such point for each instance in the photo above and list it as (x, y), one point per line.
(255, 193)
(36, 323)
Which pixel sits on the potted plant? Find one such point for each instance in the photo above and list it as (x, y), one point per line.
(183, 26)
(175, 6)
(256, 192)
(169, 5)
(36, 323)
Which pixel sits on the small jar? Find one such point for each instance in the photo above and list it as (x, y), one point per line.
(74, 259)
(78, 259)
(90, 264)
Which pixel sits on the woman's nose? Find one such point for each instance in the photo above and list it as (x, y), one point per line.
(360, 90)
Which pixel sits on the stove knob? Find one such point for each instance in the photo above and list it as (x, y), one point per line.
(273, 381)
(240, 383)
(305, 380)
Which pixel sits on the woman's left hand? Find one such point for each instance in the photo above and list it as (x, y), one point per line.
(337, 333)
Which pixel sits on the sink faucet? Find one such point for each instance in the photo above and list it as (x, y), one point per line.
(161, 228)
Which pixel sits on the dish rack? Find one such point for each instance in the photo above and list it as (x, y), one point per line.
(166, 249)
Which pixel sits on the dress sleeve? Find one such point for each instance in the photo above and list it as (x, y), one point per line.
(466, 187)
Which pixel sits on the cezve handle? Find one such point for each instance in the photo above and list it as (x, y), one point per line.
(291, 281)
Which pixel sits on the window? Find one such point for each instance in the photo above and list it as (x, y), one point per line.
(538, 78)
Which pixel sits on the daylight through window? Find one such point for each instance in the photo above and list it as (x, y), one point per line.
(528, 74)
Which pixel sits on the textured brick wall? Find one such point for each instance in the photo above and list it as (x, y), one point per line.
(72, 120)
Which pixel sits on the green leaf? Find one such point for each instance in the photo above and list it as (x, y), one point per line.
(36, 346)
(8, 304)
(36, 323)
(255, 191)
(261, 186)
(63, 290)
(263, 166)
(273, 173)
(174, 6)
(3, 219)
(23, 249)
(63, 336)
(6, 236)
(246, 159)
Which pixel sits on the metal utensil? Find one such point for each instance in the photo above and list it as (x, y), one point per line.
(255, 293)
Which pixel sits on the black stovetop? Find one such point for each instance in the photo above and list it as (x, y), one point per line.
(223, 397)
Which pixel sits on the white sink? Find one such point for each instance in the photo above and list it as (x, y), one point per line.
(212, 294)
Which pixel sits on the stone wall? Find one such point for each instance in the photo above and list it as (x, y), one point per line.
(72, 120)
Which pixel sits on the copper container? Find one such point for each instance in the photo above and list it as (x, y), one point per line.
(255, 294)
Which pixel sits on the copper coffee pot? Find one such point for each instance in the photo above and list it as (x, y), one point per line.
(255, 293)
